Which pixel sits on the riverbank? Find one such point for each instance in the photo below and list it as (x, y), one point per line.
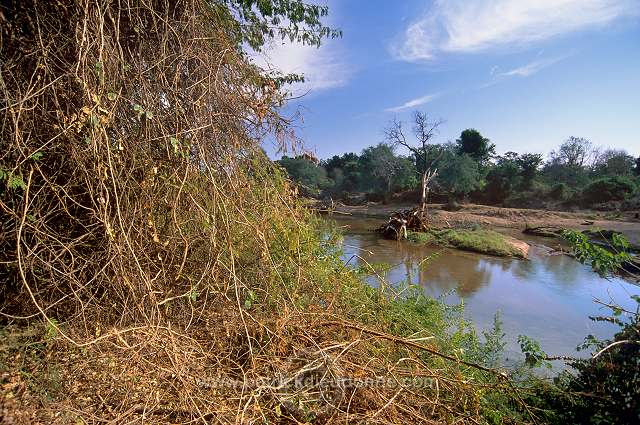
(509, 218)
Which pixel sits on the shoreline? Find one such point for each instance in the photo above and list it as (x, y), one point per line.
(505, 218)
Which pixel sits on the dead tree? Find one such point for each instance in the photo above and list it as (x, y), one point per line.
(426, 154)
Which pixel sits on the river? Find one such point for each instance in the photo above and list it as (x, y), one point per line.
(547, 297)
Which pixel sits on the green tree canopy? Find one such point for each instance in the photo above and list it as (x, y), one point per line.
(614, 162)
(457, 174)
(257, 21)
(574, 152)
(312, 177)
(472, 143)
(529, 164)
(503, 177)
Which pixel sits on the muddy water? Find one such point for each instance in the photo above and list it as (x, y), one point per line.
(548, 298)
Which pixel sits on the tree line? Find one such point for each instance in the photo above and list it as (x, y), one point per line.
(468, 169)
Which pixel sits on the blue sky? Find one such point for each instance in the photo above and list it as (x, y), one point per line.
(526, 73)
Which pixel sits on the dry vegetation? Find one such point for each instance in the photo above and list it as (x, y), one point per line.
(150, 250)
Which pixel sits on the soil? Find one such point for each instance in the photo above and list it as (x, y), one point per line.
(513, 218)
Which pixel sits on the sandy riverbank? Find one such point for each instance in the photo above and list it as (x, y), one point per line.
(515, 218)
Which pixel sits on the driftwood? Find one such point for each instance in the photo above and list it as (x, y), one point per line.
(400, 222)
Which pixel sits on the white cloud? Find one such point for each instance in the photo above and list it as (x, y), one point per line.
(530, 68)
(413, 103)
(475, 25)
(323, 67)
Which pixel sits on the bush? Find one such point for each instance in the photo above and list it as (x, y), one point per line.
(560, 192)
(609, 189)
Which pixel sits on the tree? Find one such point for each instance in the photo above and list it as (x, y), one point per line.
(424, 131)
(637, 169)
(260, 20)
(574, 152)
(616, 188)
(344, 171)
(458, 174)
(312, 177)
(528, 163)
(613, 162)
(503, 177)
(380, 165)
(472, 143)
(406, 176)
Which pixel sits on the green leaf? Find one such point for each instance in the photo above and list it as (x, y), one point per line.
(14, 182)
(175, 143)
(149, 115)
(111, 96)
(37, 156)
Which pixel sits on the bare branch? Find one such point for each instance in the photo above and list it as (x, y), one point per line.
(394, 135)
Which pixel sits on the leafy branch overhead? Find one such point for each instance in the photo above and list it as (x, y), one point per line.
(258, 21)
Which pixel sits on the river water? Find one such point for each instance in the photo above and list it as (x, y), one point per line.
(547, 297)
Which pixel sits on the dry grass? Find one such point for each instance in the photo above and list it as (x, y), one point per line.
(150, 250)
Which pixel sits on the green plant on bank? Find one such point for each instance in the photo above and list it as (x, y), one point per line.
(602, 260)
(605, 387)
(476, 240)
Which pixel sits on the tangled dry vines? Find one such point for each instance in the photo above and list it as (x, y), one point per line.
(144, 227)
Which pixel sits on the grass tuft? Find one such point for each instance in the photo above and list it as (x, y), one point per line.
(480, 240)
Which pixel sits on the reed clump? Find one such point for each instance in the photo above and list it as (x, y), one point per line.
(157, 267)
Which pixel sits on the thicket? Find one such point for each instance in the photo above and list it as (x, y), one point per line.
(603, 388)
(577, 174)
(607, 189)
(157, 267)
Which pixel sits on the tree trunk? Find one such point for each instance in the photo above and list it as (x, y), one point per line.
(425, 193)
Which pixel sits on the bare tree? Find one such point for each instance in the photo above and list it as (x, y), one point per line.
(424, 131)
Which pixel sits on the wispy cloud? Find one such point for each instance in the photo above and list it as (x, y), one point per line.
(475, 25)
(531, 68)
(323, 68)
(413, 103)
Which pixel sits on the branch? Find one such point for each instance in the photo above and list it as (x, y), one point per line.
(624, 341)
(395, 136)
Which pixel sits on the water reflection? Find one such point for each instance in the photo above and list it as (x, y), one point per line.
(548, 298)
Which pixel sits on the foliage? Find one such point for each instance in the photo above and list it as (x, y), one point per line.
(458, 175)
(605, 388)
(560, 192)
(607, 189)
(512, 179)
(602, 260)
(528, 163)
(574, 152)
(261, 20)
(309, 175)
(503, 178)
(381, 169)
(534, 356)
(609, 380)
(613, 162)
(158, 251)
(472, 143)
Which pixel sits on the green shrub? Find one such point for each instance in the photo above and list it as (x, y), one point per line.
(560, 192)
(609, 189)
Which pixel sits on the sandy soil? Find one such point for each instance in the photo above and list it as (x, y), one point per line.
(515, 218)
